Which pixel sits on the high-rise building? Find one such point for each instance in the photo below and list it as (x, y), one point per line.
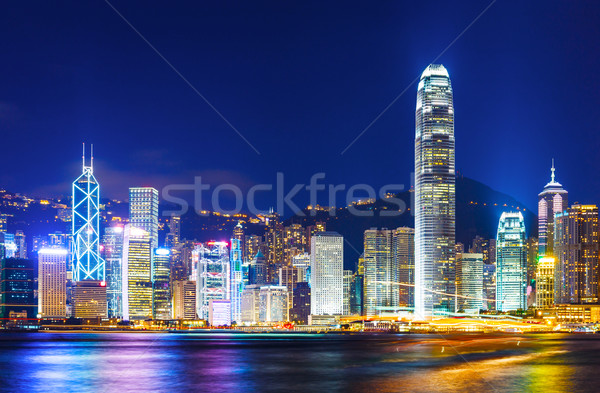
(544, 286)
(403, 251)
(174, 235)
(237, 279)
(326, 266)
(434, 194)
(356, 294)
(294, 242)
(469, 282)
(511, 263)
(52, 282)
(21, 244)
(161, 278)
(257, 270)
(576, 249)
(302, 264)
(238, 234)
(212, 275)
(553, 199)
(89, 299)
(301, 303)
(184, 299)
(252, 245)
(17, 290)
(273, 304)
(381, 275)
(3, 223)
(87, 263)
(489, 285)
(347, 279)
(137, 274)
(251, 304)
(532, 260)
(143, 211)
(112, 253)
(274, 237)
(219, 312)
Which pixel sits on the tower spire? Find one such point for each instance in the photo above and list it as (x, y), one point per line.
(92, 160)
(83, 157)
(553, 170)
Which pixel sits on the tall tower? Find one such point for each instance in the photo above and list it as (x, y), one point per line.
(381, 272)
(236, 279)
(326, 274)
(553, 199)
(87, 263)
(511, 263)
(143, 211)
(434, 194)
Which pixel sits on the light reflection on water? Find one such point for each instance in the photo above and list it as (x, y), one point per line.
(80, 362)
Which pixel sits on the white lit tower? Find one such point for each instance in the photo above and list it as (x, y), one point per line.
(87, 263)
(237, 279)
(434, 194)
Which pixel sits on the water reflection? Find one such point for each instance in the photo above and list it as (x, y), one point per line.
(263, 363)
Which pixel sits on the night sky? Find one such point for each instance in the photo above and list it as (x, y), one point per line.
(300, 82)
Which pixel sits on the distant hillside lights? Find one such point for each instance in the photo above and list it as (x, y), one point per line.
(338, 196)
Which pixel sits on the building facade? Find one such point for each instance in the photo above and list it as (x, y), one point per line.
(469, 282)
(511, 263)
(434, 194)
(576, 249)
(112, 252)
(52, 282)
(143, 211)
(137, 274)
(553, 199)
(212, 275)
(326, 266)
(544, 291)
(161, 279)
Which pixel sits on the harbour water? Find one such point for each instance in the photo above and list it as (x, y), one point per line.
(118, 362)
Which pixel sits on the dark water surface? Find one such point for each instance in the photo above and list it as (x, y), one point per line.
(117, 362)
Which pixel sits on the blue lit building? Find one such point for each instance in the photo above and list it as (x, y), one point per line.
(511, 263)
(237, 280)
(112, 252)
(87, 263)
(18, 305)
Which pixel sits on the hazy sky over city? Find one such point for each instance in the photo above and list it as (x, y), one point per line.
(300, 81)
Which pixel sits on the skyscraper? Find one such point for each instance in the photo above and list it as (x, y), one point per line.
(213, 275)
(161, 291)
(511, 263)
(112, 252)
(434, 193)
(576, 249)
(236, 279)
(469, 281)
(52, 282)
(137, 274)
(381, 274)
(17, 290)
(544, 286)
(403, 251)
(553, 199)
(87, 263)
(326, 266)
(143, 211)
(184, 299)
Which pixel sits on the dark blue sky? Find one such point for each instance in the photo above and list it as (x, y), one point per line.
(300, 83)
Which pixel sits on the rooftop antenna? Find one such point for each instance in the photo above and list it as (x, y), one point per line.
(92, 161)
(553, 171)
(83, 156)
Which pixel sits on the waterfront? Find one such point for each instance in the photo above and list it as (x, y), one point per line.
(70, 362)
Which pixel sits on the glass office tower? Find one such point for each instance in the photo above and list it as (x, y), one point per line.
(511, 263)
(434, 194)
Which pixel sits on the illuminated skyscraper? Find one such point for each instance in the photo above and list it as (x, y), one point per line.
(161, 293)
(143, 211)
(184, 299)
(236, 280)
(544, 286)
(553, 199)
(576, 250)
(403, 251)
(434, 194)
(469, 282)
(212, 275)
(112, 252)
(174, 235)
(326, 266)
(511, 263)
(52, 282)
(273, 304)
(137, 274)
(87, 263)
(381, 275)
